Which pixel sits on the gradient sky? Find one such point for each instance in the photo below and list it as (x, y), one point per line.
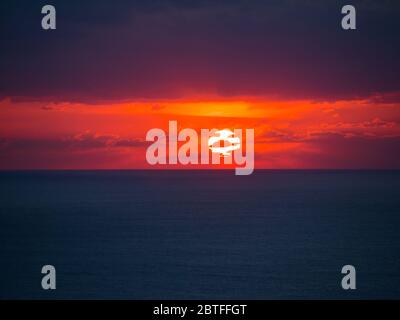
(84, 96)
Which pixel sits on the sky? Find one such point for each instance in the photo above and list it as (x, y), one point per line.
(83, 96)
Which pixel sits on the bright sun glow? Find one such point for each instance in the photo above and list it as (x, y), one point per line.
(230, 142)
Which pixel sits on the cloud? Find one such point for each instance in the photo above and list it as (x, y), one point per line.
(81, 141)
(386, 98)
(173, 49)
(336, 151)
(276, 135)
(132, 143)
(375, 123)
(373, 128)
(339, 151)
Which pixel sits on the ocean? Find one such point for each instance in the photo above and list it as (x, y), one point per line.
(200, 234)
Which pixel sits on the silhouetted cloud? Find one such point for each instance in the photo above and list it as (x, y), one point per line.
(336, 151)
(85, 140)
(107, 50)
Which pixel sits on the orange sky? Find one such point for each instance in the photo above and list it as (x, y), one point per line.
(84, 96)
(288, 134)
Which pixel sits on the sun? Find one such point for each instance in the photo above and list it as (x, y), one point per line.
(230, 142)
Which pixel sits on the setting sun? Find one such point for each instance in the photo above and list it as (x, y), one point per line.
(229, 140)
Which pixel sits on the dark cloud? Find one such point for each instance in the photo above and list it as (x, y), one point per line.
(131, 143)
(81, 141)
(376, 127)
(119, 50)
(386, 98)
(279, 136)
(338, 151)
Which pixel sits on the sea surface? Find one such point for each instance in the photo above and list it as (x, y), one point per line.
(200, 234)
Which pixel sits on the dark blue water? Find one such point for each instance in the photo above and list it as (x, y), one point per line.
(200, 234)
